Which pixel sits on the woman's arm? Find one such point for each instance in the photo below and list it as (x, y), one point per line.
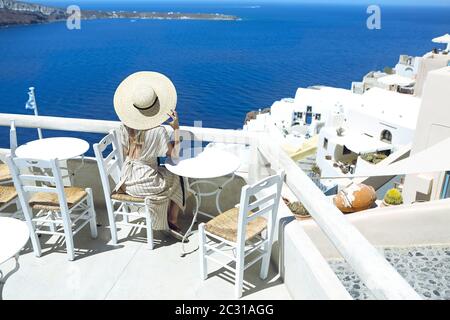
(123, 140)
(173, 150)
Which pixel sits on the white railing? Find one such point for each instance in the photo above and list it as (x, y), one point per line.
(378, 275)
(104, 126)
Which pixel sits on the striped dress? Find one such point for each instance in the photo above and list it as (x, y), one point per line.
(141, 176)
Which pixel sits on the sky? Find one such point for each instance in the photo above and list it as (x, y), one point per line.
(380, 2)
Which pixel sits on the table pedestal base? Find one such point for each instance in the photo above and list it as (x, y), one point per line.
(3, 278)
(195, 190)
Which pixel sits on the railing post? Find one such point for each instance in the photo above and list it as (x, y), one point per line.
(258, 166)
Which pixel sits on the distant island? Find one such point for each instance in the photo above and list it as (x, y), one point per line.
(19, 13)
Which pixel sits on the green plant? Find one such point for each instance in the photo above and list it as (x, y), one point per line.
(340, 131)
(393, 197)
(374, 157)
(298, 209)
(316, 170)
(388, 70)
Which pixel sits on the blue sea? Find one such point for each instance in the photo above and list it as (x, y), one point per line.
(221, 69)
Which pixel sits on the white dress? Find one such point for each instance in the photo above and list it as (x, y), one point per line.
(141, 176)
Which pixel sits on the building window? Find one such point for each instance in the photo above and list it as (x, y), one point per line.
(446, 187)
(325, 143)
(308, 116)
(386, 136)
(318, 116)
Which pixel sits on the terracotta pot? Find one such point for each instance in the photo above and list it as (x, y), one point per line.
(302, 218)
(355, 198)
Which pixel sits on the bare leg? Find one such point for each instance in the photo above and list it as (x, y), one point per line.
(172, 217)
(174, 210)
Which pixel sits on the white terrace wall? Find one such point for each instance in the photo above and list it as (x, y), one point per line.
(433, 126)
(419, 224)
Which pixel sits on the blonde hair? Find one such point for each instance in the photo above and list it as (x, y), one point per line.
(136, 139)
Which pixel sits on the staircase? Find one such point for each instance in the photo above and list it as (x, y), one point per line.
(307, 163)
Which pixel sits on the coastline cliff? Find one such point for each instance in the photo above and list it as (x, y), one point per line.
(18, 13)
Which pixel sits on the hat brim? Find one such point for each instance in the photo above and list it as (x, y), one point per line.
(145, 119)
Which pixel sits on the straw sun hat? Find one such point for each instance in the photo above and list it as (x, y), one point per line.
(144, 99)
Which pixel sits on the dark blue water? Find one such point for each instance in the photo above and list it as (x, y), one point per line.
(222, 69)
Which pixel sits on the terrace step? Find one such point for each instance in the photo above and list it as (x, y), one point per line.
(307, 163)
(426, 268)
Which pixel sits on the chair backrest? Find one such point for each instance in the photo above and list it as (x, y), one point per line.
(40, 176)
(269, 192)
(13, 144)
(109, 157)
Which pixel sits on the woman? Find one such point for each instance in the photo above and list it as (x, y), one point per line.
(141, 102)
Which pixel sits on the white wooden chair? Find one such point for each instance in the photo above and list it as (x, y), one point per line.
(8, 194)
(5, 175)
(49, 207)
(244, 230)
(119, 204)
(8, 198)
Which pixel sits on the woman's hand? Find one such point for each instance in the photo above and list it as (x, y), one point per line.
(174, 149)
(174, 123)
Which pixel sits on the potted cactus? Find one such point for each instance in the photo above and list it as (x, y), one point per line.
(393, 197)
(297, 209)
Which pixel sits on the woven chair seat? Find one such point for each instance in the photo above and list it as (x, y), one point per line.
(50, 201)
(7, 193)
(225, 226)
(126, 198)
(5, 175)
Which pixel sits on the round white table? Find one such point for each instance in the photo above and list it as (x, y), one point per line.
(14, 234)
(60, 148)
(53, 148)
(209, 164)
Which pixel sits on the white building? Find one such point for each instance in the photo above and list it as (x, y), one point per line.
(408, 76)
(302, 117)
(429, 62)
(378, 121)
(433, 126)
(407, 66)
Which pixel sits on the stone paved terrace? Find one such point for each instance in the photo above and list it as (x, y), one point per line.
(427, 269)
(128, 271)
